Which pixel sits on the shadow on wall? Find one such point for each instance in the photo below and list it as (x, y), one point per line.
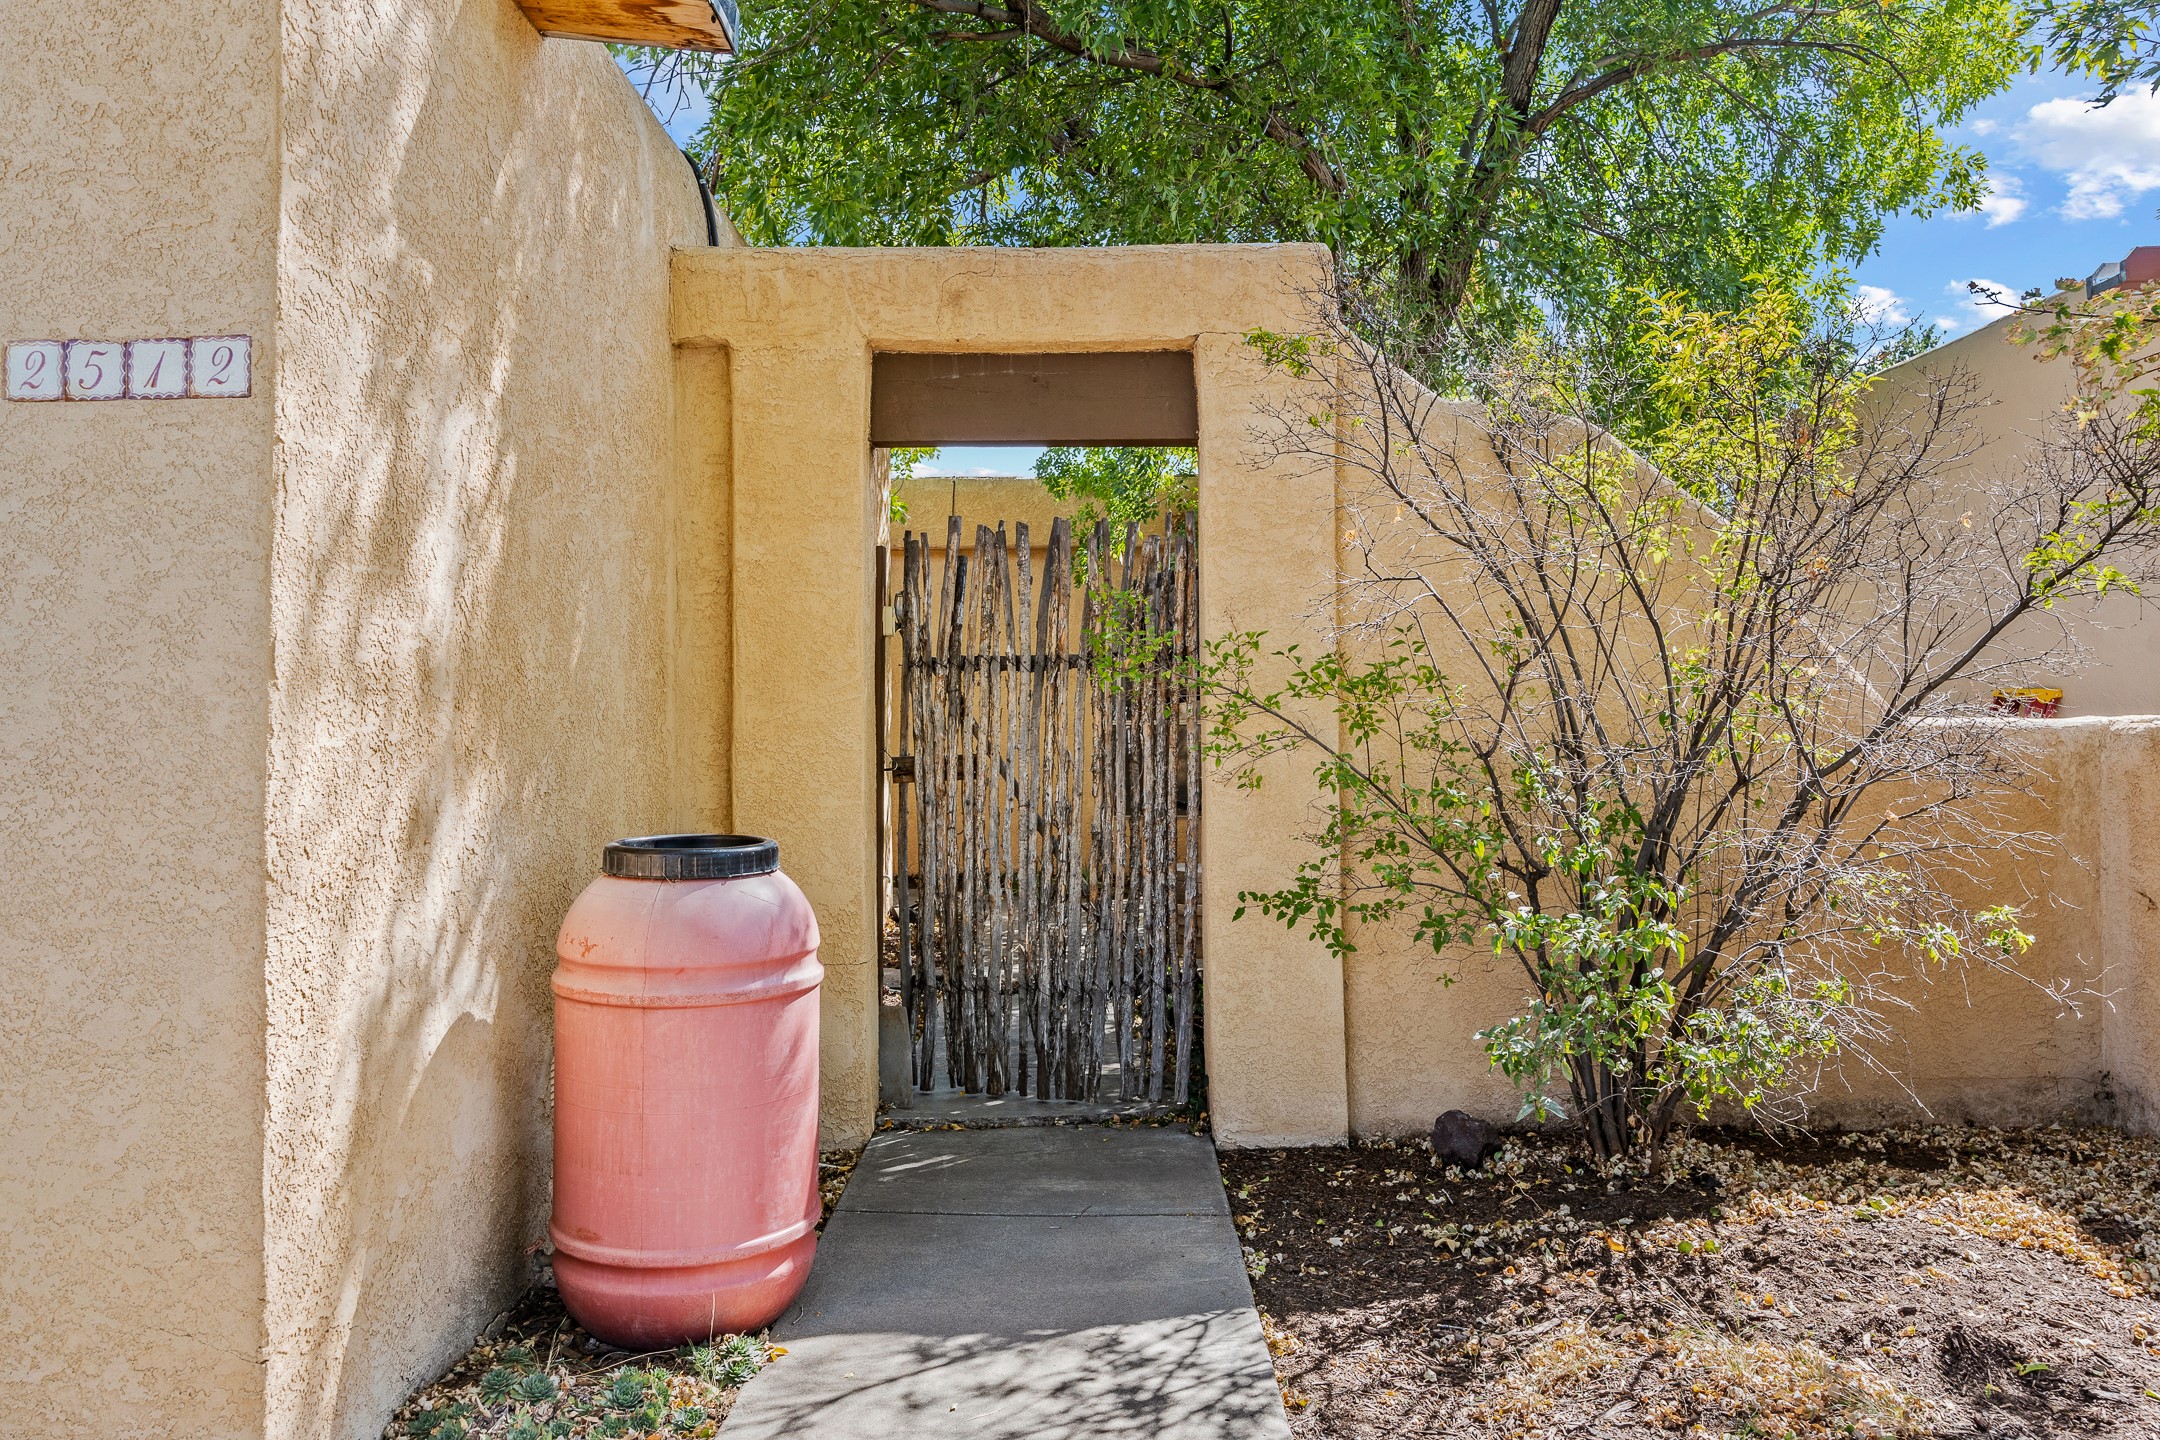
(469, 690)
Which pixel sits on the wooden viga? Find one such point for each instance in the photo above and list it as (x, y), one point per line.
(1048, 819)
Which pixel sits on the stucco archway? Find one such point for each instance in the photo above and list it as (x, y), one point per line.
(775, 635)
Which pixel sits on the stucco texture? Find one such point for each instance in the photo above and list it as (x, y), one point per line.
(472, 590)
(800, 327)
(137, 198)
(2018, 401)
(2126, 856)
(1967, 1043)
(1970, 1044)
(320, 704)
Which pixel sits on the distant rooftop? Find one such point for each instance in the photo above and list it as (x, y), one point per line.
(2139, 267)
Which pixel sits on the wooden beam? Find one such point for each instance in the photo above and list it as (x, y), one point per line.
(1137, 397)
(673, 24)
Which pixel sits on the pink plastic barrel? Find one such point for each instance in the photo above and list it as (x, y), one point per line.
(686, 1095)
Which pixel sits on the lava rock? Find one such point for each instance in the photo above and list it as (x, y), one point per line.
(1460, 1138)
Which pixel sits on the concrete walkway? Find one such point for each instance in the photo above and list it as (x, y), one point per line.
(1031, 1282)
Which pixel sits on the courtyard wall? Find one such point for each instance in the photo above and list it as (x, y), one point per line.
(471, 589)
(138, 199)
(546, 524)
(320, 702)
(2019, 405)
(1971, 1044)
(2064, 1039)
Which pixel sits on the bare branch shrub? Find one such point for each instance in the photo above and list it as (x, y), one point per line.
(1699, 734)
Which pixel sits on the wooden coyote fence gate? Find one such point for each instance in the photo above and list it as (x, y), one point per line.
(1049, 811)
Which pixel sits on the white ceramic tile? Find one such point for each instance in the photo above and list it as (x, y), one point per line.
(157, 369)
(34, 370)
(96, 369)
(220, 366)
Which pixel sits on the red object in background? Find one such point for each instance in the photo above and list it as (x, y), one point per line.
(2036, 702)
(686, 1092)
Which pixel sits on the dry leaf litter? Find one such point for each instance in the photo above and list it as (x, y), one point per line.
(1909, 1283)
(537, 1375)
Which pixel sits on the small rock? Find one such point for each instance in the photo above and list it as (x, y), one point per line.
(1459, 1138)
(496, 1327)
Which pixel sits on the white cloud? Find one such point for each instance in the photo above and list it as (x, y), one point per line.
(1877, 305)
(1993, 301)
(1984, 127)
(2005, 201)
(2109, 156)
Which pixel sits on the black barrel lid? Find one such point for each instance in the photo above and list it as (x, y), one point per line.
(691, 857)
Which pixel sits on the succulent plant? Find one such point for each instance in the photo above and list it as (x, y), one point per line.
(438, 1422)
(730, 1363)
(628, 1392)
(536, 1388)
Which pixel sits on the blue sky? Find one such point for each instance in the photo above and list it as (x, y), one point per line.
(2074, 187)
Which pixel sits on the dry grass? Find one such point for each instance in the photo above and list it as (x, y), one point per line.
(1922, 1282)
(1794, 1392)
(2035, 1199)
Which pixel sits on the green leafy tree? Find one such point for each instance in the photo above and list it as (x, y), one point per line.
(1697, 736)
(1126, 486)
(902, 462)
(2112, 341)
(1495, 159)
(2113, 41)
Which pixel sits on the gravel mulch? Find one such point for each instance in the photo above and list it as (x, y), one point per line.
(542, 1376)
(537, 1375)
(1936, 1282)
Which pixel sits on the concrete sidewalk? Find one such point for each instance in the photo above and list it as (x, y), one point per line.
(1037, 1282)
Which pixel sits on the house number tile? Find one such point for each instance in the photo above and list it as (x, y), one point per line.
(34, 369)
(96, 370)
(203, 367)
(157, 369)
(220, 367)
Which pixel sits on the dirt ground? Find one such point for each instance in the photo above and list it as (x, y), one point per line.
(1936, 1282)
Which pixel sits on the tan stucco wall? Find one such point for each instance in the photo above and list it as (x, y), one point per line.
(472, 588)
(320, 703)
(977, 499)
(2018, 399)
(800, 327)
(137, 198)
(2126, 851)
(1970, 1044)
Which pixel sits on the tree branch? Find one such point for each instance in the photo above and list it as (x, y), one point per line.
(1635, 69)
